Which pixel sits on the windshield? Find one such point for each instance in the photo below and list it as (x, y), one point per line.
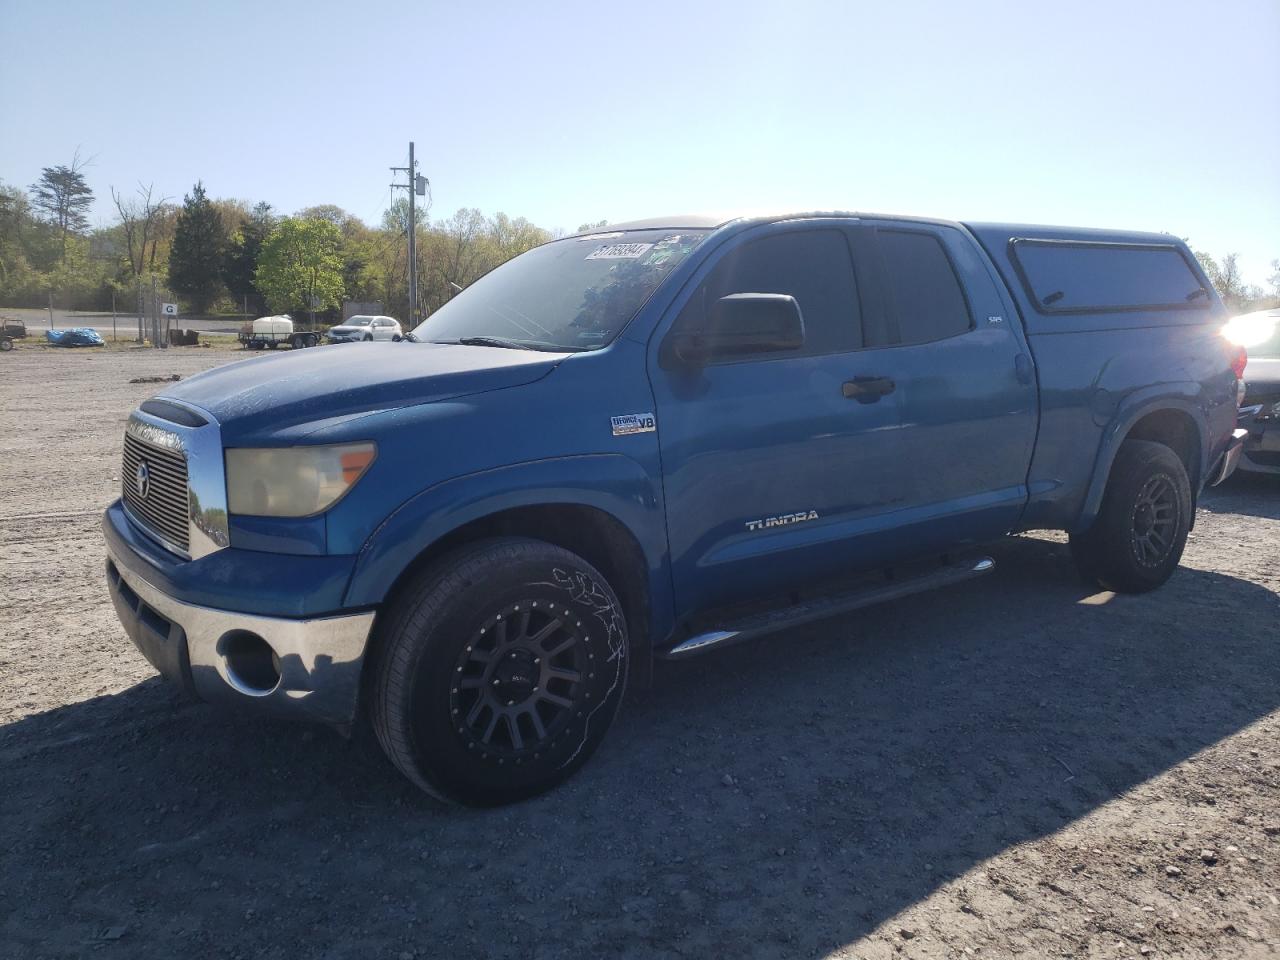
(358, 322)
(574, 294)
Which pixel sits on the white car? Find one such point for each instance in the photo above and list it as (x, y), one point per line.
(366, 328)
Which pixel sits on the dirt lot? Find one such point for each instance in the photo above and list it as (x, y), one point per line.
(1009, 768)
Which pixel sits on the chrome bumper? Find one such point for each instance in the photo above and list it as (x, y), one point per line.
(308, 669)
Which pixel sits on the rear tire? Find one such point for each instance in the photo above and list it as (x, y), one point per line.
(498, 671)
(1138, 537)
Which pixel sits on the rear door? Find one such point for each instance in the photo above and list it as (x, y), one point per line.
(965, 382)
(775, 472)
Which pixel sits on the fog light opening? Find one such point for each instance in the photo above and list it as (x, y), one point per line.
(252, 666)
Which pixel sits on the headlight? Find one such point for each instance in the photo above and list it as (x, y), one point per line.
(293, 481)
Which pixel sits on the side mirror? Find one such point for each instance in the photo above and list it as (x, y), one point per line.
(741, 324)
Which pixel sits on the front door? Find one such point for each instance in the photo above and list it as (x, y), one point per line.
(779, 468)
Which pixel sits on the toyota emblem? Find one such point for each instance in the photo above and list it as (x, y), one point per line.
(142, 479)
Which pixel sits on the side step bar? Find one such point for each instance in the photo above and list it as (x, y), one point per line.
(758, 625)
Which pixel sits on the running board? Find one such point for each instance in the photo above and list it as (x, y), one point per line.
(758, 625)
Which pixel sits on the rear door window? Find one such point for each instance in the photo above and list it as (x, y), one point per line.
(921, 286)
(1070, 276)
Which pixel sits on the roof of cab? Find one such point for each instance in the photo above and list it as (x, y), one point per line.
(989, 231)
(703, 221)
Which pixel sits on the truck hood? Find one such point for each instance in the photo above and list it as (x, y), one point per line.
(289, 396)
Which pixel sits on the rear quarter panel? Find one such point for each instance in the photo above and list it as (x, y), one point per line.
(1100, 373)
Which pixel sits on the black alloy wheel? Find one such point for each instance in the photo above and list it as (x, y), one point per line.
(519, 679)
(1155, 518)
(1136, 541)
(496, 672)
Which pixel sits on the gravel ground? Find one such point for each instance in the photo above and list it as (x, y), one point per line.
(1013, 767)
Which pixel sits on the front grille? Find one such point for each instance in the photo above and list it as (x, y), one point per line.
(164, 508)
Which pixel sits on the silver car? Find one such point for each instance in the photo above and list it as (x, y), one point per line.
(366, 328)
(1259, 334)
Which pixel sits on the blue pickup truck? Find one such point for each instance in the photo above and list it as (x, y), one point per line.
(652, 441)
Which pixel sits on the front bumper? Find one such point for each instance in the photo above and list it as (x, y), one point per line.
(304, 669)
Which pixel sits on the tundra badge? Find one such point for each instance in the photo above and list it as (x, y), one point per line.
(783, 520)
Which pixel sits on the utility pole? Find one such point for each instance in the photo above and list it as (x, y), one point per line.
(417, 187)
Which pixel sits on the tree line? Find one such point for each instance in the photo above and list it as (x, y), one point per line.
(224, 255)
(230, 255)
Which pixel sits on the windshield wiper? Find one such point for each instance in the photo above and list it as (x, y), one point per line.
(512, 344)
(490, 342)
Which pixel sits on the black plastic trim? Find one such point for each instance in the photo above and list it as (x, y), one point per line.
(173, 413)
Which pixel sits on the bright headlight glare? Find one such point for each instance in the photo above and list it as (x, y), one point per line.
(293, 481)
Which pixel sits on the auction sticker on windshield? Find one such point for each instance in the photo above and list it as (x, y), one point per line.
(619, 251)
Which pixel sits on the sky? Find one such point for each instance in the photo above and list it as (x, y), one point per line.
(1128, 114)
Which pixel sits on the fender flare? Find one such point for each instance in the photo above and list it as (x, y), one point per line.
(1133, 408)
(612, 483)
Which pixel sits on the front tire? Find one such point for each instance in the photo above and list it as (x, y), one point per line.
(1137, 539)
(498, 671)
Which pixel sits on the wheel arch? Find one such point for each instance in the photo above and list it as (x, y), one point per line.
(602, 508)
(1173, 421)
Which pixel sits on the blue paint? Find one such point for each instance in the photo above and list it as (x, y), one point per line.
(1011, 425)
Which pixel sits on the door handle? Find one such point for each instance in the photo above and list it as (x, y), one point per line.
(867, 389)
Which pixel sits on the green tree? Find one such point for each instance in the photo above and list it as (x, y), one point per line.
(195, 260)
(241, 259)
(1238, 295)
(65, 198)
(300, 266)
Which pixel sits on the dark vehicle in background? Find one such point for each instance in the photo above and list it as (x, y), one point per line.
(652, 442)
(1259, 333)
(10, 331)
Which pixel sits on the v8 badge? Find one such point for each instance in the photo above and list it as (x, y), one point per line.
(634, 423)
